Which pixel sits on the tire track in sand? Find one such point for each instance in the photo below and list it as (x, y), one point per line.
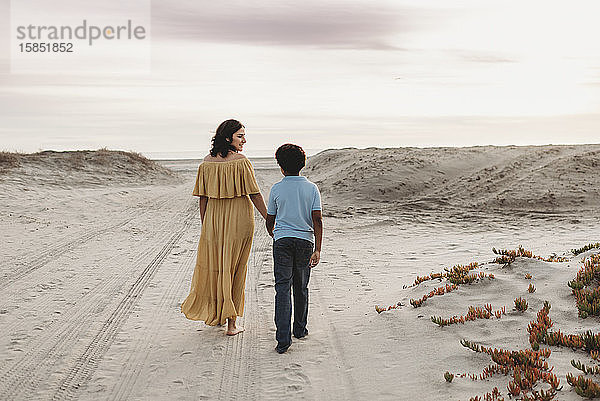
(42, 307)
(238, 365)
(27, 264)
(32, 371)
(31, 264)
(138, 356)
(348, 387)
(79, 374)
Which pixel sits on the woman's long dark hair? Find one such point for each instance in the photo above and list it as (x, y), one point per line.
(221, 142)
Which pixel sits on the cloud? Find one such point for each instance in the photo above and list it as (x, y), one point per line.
(325, 25)
(483, 57)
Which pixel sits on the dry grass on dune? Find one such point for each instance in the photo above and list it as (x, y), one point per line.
(102, 156)
(82, 168)
(9, 160)
(105, 156)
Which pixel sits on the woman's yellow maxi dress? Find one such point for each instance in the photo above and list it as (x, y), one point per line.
(219, 278)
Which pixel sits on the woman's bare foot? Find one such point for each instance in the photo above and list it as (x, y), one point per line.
(232, 329)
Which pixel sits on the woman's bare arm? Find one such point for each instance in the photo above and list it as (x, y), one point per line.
(259, 203)
(203, 201)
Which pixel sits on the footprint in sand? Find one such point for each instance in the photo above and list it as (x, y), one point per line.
(294, 373)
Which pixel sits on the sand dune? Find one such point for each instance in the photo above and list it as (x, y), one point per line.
(77, 169)
(487, 178)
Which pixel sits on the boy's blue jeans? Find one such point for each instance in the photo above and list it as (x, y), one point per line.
(291, 257)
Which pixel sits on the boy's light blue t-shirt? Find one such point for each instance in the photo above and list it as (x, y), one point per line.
(292, 201)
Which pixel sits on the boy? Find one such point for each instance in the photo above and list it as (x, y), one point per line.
(295, 223)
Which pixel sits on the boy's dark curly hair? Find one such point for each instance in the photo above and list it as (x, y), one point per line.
(291, 158)
(221, 142)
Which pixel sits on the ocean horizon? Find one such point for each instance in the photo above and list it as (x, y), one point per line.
(194, 155)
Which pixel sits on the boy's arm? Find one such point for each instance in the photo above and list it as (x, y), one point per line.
(270, 223)
(317, 220)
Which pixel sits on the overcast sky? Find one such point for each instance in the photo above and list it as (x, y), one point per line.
(339, 73)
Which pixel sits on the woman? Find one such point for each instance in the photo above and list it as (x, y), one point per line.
(226, 185)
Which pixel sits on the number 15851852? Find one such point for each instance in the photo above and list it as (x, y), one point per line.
(46, 47)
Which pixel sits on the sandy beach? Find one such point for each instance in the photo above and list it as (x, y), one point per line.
(98, 251)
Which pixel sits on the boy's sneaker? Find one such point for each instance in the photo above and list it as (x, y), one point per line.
(298, 335)
(281, 350)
